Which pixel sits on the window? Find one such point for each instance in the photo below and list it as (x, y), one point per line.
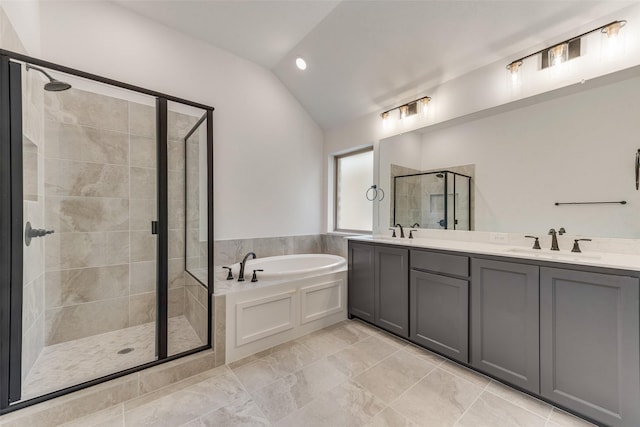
(354, 175)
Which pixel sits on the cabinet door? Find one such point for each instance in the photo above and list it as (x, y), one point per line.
(505, 321)
(589, 351)
(361, 281)
(439, 314)
(392, 289)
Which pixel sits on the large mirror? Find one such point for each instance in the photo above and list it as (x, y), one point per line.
(567, 160)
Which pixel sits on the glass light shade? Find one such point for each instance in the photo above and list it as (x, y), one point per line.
(613, 30)
(514, 71)
(404, 111)
(424, 104)
(558, 54)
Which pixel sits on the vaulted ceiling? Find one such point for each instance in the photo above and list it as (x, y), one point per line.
(364, 56)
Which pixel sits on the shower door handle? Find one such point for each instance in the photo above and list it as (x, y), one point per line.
(637, 169)
(30, 233)
(154, 227)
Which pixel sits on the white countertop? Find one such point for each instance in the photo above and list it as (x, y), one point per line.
(587, 258)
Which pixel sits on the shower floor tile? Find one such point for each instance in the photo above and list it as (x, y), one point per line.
(74, 362)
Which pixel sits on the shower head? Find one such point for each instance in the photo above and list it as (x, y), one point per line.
(54, 85)
(440, 175)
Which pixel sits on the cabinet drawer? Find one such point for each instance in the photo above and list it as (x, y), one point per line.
(456, 265)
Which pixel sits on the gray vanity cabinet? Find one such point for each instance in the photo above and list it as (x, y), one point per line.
(361, 281)
(589, 344)
(439, 313)
(378, 286)
(505, 321)
(392, 289)
(439, 303)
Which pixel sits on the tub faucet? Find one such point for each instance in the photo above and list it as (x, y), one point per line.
(554, 238)
(401, 230)
(243, 264)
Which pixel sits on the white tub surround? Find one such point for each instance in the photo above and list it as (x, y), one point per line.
(295, 295)
(621, 254)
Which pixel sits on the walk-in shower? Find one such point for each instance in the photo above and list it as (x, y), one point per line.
(111, 186)
(436, 200)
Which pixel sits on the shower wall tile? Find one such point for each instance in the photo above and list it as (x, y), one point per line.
(142, 308)
(195, 309)
(198, 291)
(179, 125)
(82, 320)
(176, 186)
(85, 144)
(88, 109)
(176, 243)
(142, 120)
(175, 155)
(143, 211)
(143, 277)
(30, 181)
(176, 273)
(176, 302)
(143, 152)
(68, 214)
(118, 248)
(32, 344)
(71, 178)
(33, 107)
(34, 253)
(143, 183)
(143, 246)
(32, 302)
(176, 215)
(70, 287)
(75, 250)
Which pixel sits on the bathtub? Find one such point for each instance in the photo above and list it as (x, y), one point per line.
(289, 267)
(294, 295)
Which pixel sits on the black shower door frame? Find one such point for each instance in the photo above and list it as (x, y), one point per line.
(11, 228)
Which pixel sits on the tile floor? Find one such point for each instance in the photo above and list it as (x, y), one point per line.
(350, 374)
(73, 362)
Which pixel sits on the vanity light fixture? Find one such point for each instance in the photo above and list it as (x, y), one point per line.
(613, 30)
(558, 54)
(566, 50)
(408, 109)
(514, 70)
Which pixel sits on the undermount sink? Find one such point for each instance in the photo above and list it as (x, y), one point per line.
(546, 253)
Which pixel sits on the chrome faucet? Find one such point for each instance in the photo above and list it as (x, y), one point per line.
(554, 238)
(243, 264)
(401, 230)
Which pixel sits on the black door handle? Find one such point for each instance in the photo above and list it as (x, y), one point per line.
(637, 169)
(30, 233)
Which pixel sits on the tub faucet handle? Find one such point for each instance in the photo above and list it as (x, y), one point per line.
(536, 244)
(230, 275)
(254, 278)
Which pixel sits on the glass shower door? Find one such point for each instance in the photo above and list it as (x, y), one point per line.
(90, 258)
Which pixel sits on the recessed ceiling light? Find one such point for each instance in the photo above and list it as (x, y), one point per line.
(301, 63)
